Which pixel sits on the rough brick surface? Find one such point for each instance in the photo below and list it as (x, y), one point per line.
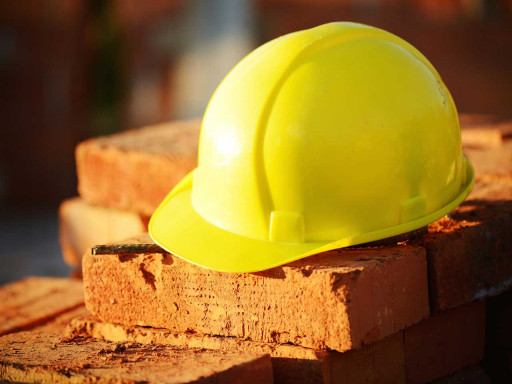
(82, 225)
(136, 169)
(436, 347)
(35, 300)
(337, 300)
(492, 164)
(43, 353)
(469, 252)
(377, 363)
(445, 343)
(42, 357)
(58, 325)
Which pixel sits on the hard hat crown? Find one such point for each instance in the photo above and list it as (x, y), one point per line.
(325, 133)
(320, 139)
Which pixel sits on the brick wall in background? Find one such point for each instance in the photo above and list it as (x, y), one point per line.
(467, 41)
(71, 70)
(43, 98)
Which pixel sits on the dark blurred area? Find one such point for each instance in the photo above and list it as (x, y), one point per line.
(73, 69)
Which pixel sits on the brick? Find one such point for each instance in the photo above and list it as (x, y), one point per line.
(468, 257)
(36, 300)
(338, 300)
(481, 131)
(487, 142)
(469, 251)
(381, 362)
(135, 170)
(43, 357)
(44, 354)
(436, 347)
(481, 138)
(471, 375)
(492, 164)
(82, 225)
(377, 363)
(492, 191)
(58, 325)
(444, 343)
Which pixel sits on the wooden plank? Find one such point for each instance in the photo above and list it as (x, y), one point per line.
(35, 300)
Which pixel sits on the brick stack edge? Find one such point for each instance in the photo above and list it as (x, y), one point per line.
(34, 347)
(413, 312)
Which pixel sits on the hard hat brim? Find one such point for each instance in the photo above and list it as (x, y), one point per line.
(179, 229)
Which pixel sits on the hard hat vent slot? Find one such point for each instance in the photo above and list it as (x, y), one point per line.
(287, 226)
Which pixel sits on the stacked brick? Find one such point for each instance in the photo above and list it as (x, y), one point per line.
(121, 180)
(35, 348)
(436, 308)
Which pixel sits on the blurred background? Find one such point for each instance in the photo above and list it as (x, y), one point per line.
(73, 69)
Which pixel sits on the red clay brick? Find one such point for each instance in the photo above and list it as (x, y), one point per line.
(434, 348)
(338, 300)
(492, 164)
(82, 225)
(136, 169)
(381, 362)
(377, 363)
(484, 131)
(44, 354)
(469, 252)
(444, 343)
(42, 357)
(58, 325)
(35, 300)
(487, 142)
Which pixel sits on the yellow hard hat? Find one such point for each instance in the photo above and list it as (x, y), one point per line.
(321, 139)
